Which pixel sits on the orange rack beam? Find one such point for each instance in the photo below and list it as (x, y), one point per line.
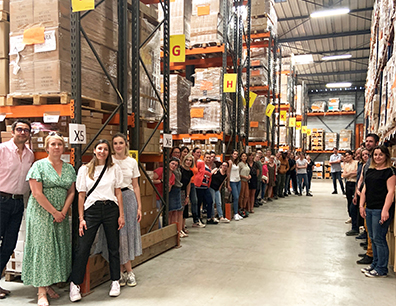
(319, 152)
(331, 114)
(116, 119)
(203, 50)
(197, 136)
(33, 111)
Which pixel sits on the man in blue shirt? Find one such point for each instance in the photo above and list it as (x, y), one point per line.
(335, 163)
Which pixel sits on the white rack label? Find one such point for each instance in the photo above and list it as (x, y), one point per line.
(186, 140)
(77, 134)
(168, 143)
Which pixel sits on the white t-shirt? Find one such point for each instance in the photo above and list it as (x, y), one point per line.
(300, 163)
(111, 179)
(130, 170)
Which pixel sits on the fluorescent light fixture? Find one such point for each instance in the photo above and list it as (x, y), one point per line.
(327, 13)
(336, 57)
(302, 59)
(339, 85)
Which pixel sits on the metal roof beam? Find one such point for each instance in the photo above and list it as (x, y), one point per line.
(365, 9)
(324, 36)
(310, 75)
(341, 51)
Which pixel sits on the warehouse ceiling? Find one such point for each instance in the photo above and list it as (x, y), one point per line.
(301, 34)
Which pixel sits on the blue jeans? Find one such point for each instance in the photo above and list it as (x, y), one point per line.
(11, 212)
(309, 174)
(236, 190)
(205, 198)
(263, 189)
(377, 233)
(194, 203)
(300, 178)
(216, 195)
(337, 176)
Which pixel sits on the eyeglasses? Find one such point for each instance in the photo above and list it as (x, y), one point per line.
(55, 134)
(20, 130)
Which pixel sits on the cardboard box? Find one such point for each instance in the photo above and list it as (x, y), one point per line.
(52, 76)
(22, 80)
(148, 203)
(56, 46)
(4, 80)
(53, 12)
(22, 14)
(5, 5)
(4, 39)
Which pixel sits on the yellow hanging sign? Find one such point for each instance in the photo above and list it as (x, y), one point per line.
(252, 98)
(298, 125)
(269, 110)
(177, 48)
(292, 122)
(134, 154)
(283, 115)
(309, 132)
(230, 82)
(304, 129)
(83, 5)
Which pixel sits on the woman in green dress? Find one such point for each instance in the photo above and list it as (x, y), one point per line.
(47, 255)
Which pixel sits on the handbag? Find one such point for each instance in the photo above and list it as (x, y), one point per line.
(97, 181)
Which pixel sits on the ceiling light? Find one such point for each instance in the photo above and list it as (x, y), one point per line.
(338, 85)
(302, 59)
(336, 57)
(327, 13)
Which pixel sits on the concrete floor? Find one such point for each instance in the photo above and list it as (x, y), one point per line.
(290, 252)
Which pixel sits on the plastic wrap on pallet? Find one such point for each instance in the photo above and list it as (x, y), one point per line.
(258, 121)
(330, 141)
(206, 7)
(258, 76)
(206, 116)
(334, 104)
(347, 107)
(318, 106)
(345, 140)
(264, 16)
(5, 6)
(179, 115)
(282, 135)
(206, 29)
(180, 14)
(207, 84)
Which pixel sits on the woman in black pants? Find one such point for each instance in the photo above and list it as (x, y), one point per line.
(100, 205)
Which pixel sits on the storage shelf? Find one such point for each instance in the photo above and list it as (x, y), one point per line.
(197, 136)
(324, 152)
(33, 111)
(331, 114)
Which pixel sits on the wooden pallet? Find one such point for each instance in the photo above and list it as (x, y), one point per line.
(4, 16)
(38, 99)
(192, 131)
(97, 105)
(217, 43)
(11, 276)
(3, 100)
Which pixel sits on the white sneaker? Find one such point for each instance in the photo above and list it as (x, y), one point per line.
(115, 288)
(216, 220)
(123, 279)
(131, 279)
(240, 217)
(224, 220)
(348, 221)
(236, 217)
(74, 294)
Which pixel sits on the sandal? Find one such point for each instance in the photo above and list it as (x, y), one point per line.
(51, 292)
(6, 292)
(2, 295)
(42, 299)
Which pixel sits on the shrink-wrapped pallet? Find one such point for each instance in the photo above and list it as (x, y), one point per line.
(258, 76)
(333, 105)
(318, 107)
(345, 140)
(330, 141)
(207, 84)
(179, 114)
(347, 107)
(258, 120)
(264, 16)
(282, 135)
(206, 29)
(206, 116)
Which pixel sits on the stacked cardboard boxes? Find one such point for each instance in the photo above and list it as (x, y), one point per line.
(154, 144)
(334, 105)
(179, 115)
(264, 16)
(317, 170)
(331, 140)
(318, 107)
(149, 207)
(317, 140)
(345, 141)
(4, 50)
(258, 122)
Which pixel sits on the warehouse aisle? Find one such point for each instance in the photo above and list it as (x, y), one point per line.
(290, 252)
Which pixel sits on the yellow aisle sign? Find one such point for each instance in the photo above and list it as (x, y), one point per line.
(309, 132)
(83, 5)
(252, 98)
(298, 125)
(269, 110)
(230, 82)
(177, 48)
(304, 129)
(134, 154)
(283, 115)
(292, 122)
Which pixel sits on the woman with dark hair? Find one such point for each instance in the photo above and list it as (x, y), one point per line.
(254, 173)
(99, 203)
(244, 173)
(187, 174)
(378, 193)
(234, 182)
(196, 153)
(184, 151)
(175, 203)
(130, 237)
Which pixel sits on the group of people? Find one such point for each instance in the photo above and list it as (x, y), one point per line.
(251, 180)
(370, 192)
(108, 202)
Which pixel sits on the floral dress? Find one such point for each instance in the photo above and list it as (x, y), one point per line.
(47, 255)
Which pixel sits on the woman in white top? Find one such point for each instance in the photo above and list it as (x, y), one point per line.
(99, 206)
(234, 182)
(130, 237)
(301, 165)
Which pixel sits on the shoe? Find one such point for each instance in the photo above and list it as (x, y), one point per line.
(365, 248)
(42, 299)
(264, 202)
(237, 217)
(123, 279)
(363, 244)
(183, 234)
(362, 236)
(240, 217)
(334, 192)
(348, 221)
(217, 220)
(366, 260)
(362, 255)
(281, 196)
(367, 269)
(352, 233)
(275, 197)
(269, 200)
(131, 279)
(286, 195)
(375, 274)
(299, 194)
(309, 195)
(199, 224)
(115, 289)
(256, 205)
(74, 294)
(211, 221)
(224, 220)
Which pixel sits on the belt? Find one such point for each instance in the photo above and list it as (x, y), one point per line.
(125, 188)
(11, 196)
(107, 202)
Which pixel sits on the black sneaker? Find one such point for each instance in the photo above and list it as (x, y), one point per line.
(362, 255)
(286, 195)
(256, 204)
(363, 244)
(211, 221)
(299, 194)
(374, 274)
(309, 195)
(366, 260)
(281, 196)
(275, 197)
(269, 200)
(334, 192)
(352, 233)
(362, 236)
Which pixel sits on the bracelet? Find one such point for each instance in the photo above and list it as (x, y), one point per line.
(361, 206)
(81, 218)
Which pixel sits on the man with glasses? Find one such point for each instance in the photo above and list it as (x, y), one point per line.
(15, 161)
